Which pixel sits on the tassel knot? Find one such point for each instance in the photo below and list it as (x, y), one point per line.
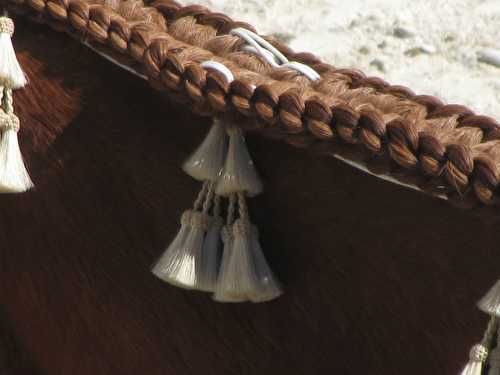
(200, 220)
(478, 353)
(186, 217)
(226, 233)
(9, 121)
(242, 228)
(6, 26)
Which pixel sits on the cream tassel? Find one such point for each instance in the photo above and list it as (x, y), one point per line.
(237, 280)
(208, 267)
(169, 263)
(239, 173)
(14, 177)
(269, 286)
(11, 73)
(490, 303)
(231, 282)
(177, 265)
(207, 161)
(494, 359)
(479, 352)
(244, 273)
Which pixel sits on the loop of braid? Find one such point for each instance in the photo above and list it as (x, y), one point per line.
(299, 114)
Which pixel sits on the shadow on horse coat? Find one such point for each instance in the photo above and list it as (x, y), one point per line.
(378, 278)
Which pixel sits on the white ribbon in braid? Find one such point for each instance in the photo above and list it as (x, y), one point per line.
(258, 45)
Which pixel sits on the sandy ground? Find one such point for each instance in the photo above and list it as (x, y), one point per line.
(431, 46)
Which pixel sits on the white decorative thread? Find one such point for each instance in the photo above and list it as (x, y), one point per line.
(221, 68)
(304, 69)
(259, 43)
(267, 55)
(259, 46)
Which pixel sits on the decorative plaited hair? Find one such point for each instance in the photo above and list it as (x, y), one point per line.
(444, 149)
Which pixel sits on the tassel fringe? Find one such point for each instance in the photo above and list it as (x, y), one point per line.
(14, 177)
(490, 303)
(479, 352)
(207, 161)
(477, 356)
(269, 286)
(239, 173)
(11, 73)
(192, 260)
(167, 267)
(208, 267)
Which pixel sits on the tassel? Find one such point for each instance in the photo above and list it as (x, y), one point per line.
(168, 263)
(237, 280)
(11, 73)
(239, 173)
(244, 273)
(269, 286)
(177, 265)
(207, 267)
(180, 264)
(479, 352)
(490, 303)
(14, 177)
(477, 356)
(207, 161)
(494, 359)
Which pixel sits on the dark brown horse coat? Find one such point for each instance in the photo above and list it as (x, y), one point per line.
(379, 279)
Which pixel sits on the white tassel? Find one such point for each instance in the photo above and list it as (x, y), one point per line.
(477, 356)
(269, 286)
(11, 73)
(14, 177)
(494, 362)
(237, 280)
(479, 352)
(208, 267)
(494, 358)
(239, 173)
(168, 262)
(207, 161)
(180, 269)
(490, 303)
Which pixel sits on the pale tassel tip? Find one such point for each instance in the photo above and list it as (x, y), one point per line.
(490, 303)
(10, 70)
(207, 161)
(239, 173)
(14, 177)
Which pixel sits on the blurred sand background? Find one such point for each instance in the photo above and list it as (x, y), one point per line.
(432, 46)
